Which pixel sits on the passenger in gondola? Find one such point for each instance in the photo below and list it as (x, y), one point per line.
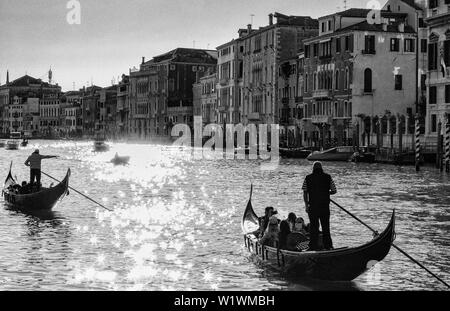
(291, 220)
(270, 236)
(300, 226)
(264, 221)
(285, 230)
(34, 162)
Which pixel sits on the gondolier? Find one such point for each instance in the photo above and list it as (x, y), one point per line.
(34, 162)
(317, 189)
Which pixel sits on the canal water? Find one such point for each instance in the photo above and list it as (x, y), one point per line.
(176, 222)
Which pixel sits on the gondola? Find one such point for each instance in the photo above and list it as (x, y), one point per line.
(343, 264)
(295, 153)
(44, 200)
(24, 143)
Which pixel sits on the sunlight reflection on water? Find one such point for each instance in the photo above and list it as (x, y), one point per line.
(176, 222)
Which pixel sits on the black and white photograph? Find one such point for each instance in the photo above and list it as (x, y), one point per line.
(242, 147)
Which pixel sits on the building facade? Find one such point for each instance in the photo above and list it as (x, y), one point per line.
(290, 100)
(358, 83)
(21, 101)
(438, 77)
(205, 98)
(230, 71)
(263, 50)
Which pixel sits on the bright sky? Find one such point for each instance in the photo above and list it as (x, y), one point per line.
(115, 34)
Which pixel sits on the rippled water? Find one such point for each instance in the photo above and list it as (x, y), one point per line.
(176, 222)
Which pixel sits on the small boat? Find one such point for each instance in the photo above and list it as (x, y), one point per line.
(334, 154)
(24, 143)
(118, 160)
(343, 264)
(364, 155)
(44, 200)
(100, 146)
(12, 145)
(295, 153)
(2, 144)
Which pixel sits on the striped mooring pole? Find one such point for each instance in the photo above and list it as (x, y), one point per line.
(447, 144)
(417, 144)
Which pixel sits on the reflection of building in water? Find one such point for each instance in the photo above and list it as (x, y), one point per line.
(358, 83)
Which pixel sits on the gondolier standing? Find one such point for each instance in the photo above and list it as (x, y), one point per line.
(34, 162)
(317, 189)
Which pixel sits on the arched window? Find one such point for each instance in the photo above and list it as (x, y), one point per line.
(368, 80)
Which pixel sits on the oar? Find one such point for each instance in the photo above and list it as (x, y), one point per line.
(85, 196)
(395, 246)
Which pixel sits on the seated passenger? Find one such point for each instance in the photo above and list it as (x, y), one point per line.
(263, 222)
(285, 230)
(270, 236)
(291, 219)
(300, 226)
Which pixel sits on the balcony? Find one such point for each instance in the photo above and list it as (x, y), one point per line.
(299, 99)
(254, 116)
(224, 81)
(285, 100)
(368, 52)
(321, 94)
(321, 119)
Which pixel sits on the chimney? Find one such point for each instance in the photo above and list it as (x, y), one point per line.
(7, 77)
(270, 19)
(249, 28)
(143, 59)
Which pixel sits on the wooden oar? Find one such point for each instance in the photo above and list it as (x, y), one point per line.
(85, 196)
(395, 246)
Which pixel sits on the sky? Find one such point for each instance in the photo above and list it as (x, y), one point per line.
(114, 35)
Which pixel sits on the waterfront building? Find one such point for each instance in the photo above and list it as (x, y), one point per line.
(90, 103)
(20, 102)
(205, 98)
(290, 100)
(72, 117)
(123, 106)
(438, 76)
(105, 120)
(263, 50)
(161, 91)
(230, 70)
(140, 88)
(359, 81)
(49, 112)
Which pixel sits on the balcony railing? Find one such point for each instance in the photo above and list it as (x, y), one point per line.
(224, 81)
(254, 116)
(368, 52)
(321, 93)
(321, 119)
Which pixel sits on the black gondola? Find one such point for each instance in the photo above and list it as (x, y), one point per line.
(343, 264)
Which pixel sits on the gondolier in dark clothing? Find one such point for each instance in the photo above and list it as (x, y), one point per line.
(317, 189)
(34, 162)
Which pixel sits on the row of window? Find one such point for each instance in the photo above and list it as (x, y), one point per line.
(324, 80)
(324, 49)
(432, 95)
